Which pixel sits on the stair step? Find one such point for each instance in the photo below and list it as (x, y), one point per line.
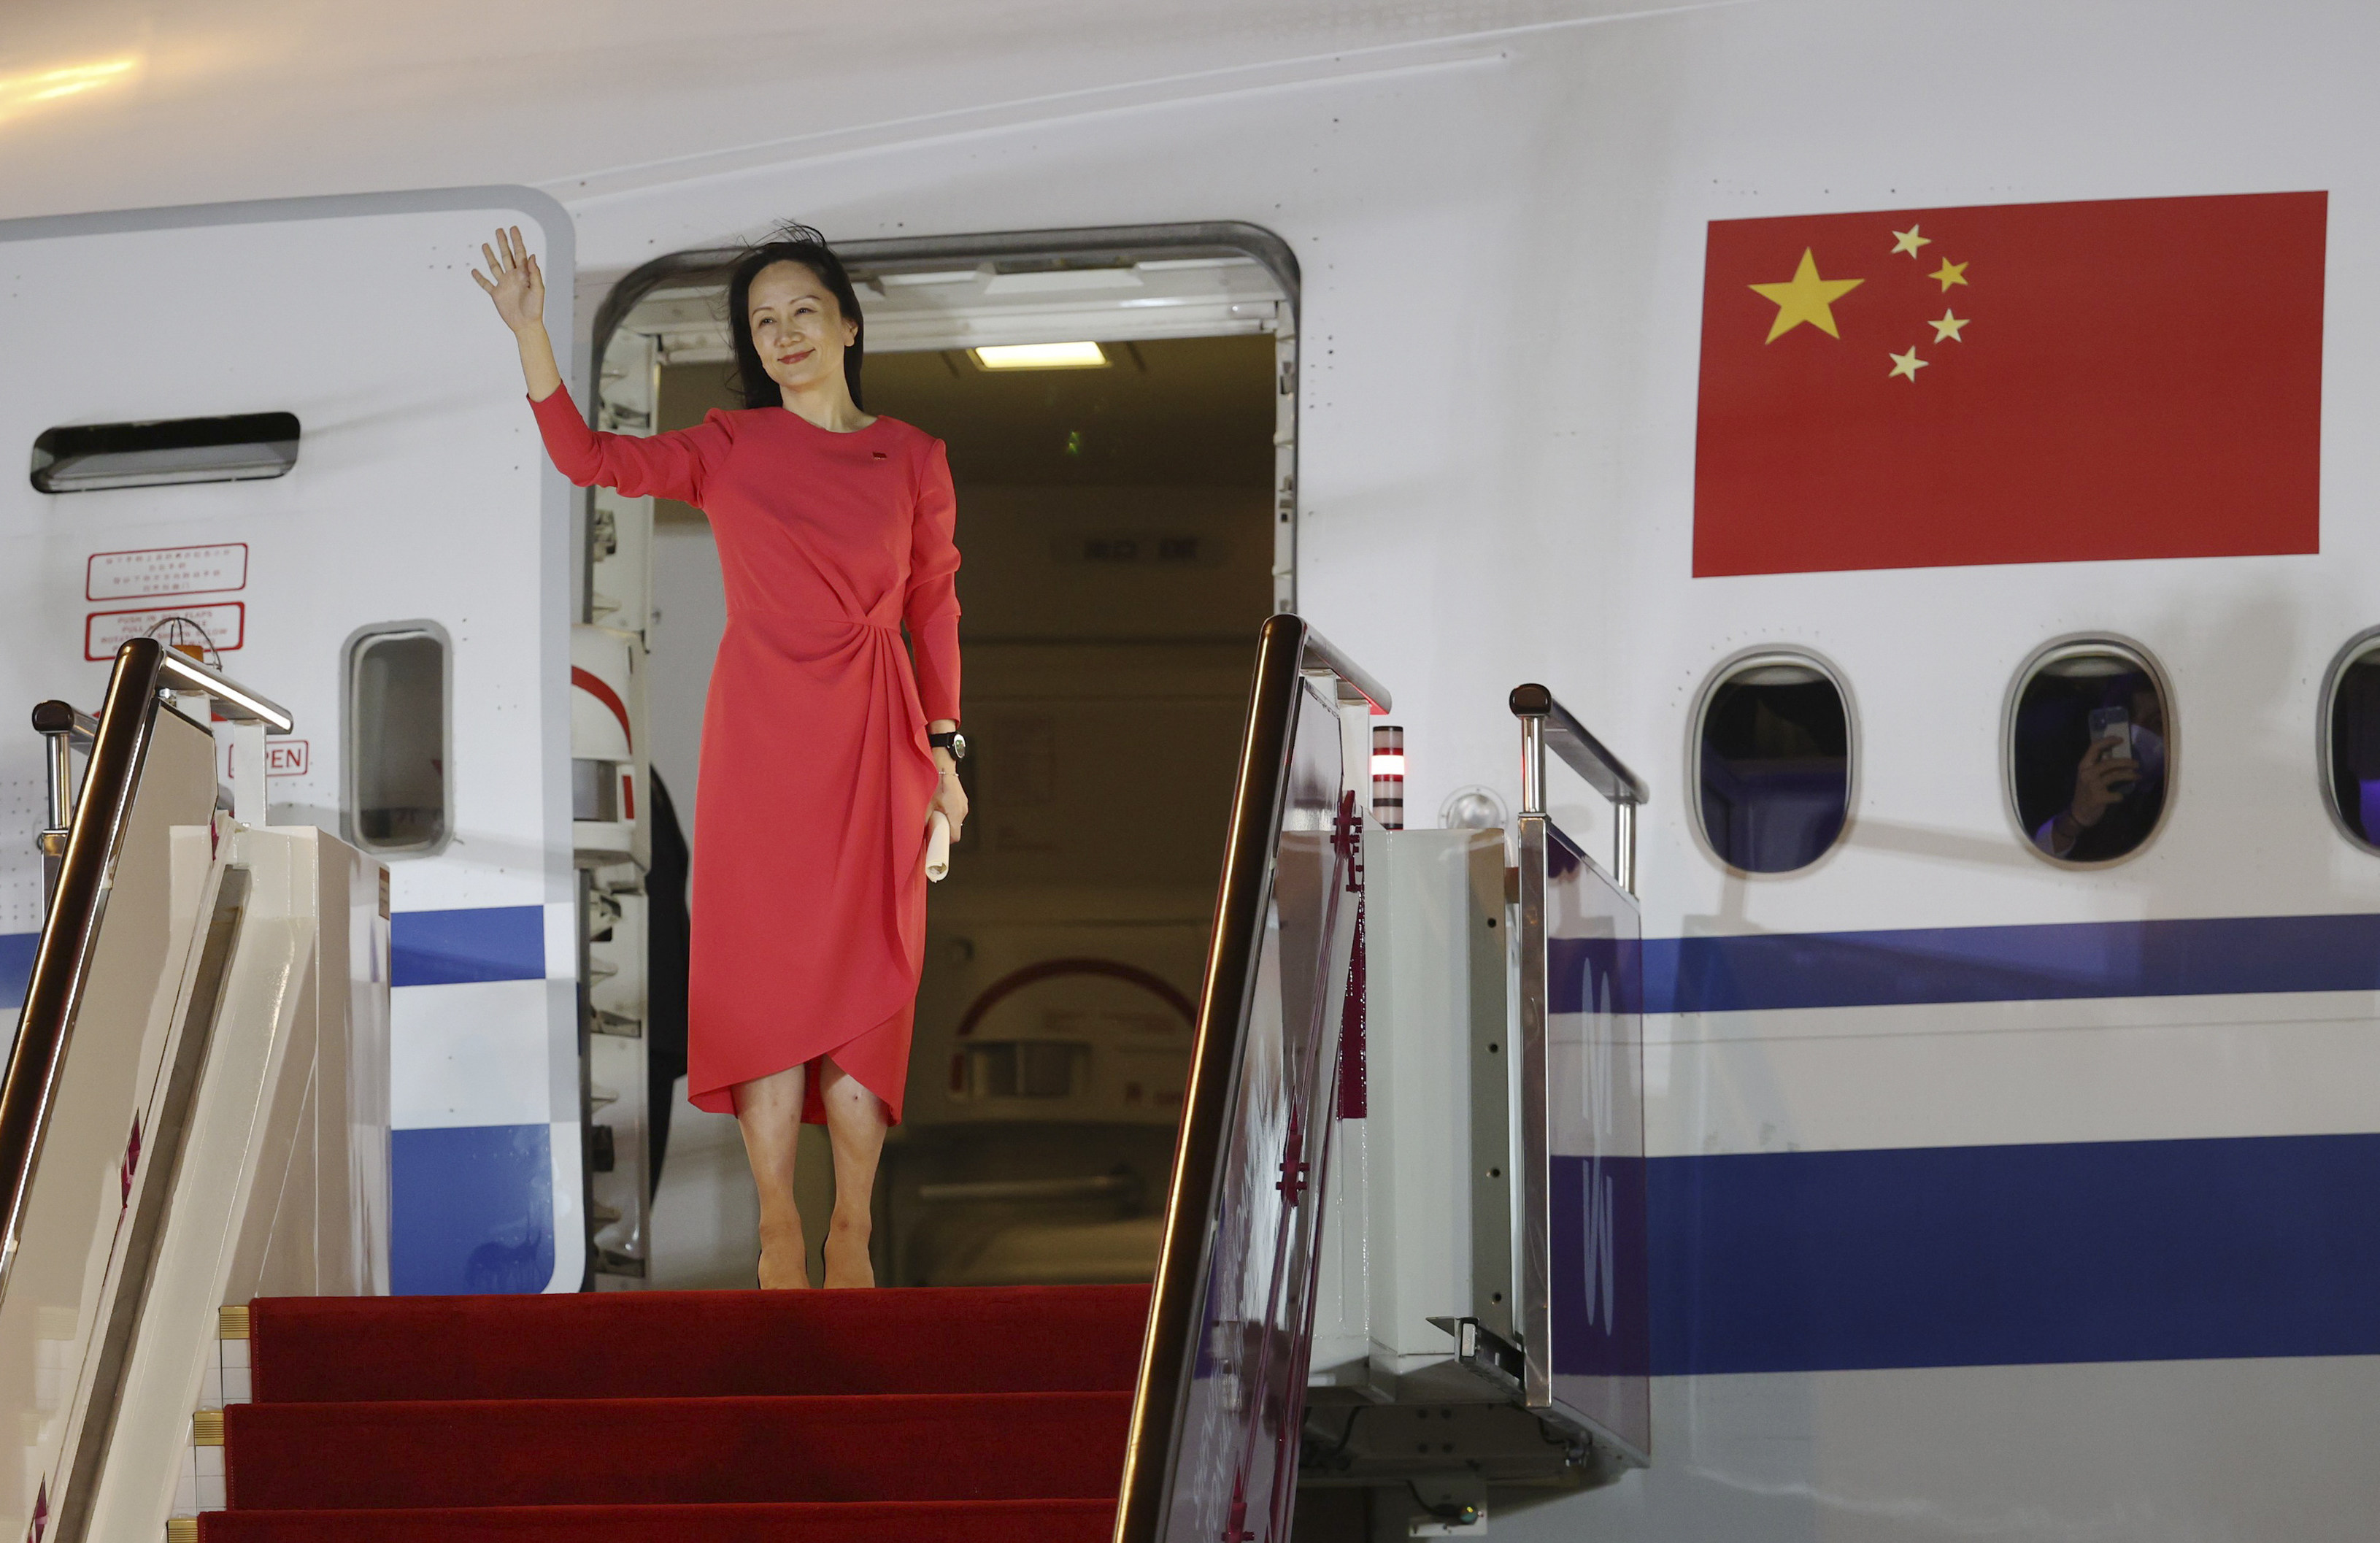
(1083, 1521)
(689, 1344)
(675, 1450)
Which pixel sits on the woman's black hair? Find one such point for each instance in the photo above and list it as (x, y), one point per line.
(792, 243)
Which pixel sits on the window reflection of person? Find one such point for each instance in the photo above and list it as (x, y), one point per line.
(2118, 789)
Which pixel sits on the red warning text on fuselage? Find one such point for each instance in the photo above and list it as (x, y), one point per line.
(220, 628)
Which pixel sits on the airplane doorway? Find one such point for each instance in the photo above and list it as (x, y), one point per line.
(1122, 528)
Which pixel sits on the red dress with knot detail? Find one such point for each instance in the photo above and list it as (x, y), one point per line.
(808, 901)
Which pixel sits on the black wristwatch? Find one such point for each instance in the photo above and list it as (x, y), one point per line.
(954, 742)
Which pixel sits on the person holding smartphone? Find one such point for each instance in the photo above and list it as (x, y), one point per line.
(2119, 785)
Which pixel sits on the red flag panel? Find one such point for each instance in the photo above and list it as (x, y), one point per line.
(2032, 383)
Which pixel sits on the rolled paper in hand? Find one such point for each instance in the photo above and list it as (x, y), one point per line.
(938, 846)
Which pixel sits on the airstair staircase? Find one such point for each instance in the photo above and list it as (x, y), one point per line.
(980, 1415)
(193, 1325)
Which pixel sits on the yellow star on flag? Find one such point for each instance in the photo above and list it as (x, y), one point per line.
(1806, 298)
(1909, 241)
(1947, 328)
(1950, 273)
(1907, 364)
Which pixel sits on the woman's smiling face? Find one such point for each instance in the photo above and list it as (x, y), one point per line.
(798, 328)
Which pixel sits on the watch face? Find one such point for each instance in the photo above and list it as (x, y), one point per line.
(958, 745)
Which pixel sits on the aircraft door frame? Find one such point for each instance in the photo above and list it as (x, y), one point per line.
(357, 314)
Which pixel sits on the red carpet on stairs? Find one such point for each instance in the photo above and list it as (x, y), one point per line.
(990, 1415)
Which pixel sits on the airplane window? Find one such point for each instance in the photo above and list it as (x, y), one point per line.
(243, 447)
(2090, 753)
(1775, 766)
(2354, 730)
(396, 740)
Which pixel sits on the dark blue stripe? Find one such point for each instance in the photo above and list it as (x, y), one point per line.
(15, 966)
(1992, 1255)
(470, 1210)
(440, 948)
(2013, 964)
(427, 948)
(1600, 1283)
(1607, 972)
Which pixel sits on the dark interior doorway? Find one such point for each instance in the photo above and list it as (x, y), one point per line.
(1116, 525)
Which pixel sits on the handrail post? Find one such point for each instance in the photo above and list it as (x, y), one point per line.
(61, 779)
(1623, 844)
(1533, 763)
(68, 728)
(52, 837)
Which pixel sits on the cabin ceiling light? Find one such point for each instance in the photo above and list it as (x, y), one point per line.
(34, 86)
(87, 457)
(1042, 356)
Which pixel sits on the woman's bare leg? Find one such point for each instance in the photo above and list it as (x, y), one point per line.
(769, 1110)
(855, 1128)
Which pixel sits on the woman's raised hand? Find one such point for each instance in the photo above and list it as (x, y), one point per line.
(518, 290)
(517, 284)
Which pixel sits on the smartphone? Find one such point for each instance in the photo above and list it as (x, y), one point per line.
(2113, 722)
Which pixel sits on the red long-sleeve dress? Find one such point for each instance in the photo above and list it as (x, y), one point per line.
(808, 901)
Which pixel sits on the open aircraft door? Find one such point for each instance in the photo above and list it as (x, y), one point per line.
(290, 435)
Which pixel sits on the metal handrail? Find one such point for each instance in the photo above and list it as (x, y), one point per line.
(1529, 1365)
(226, 697)
(145, 672)
(1287, 647)
(57, 717)
(1320, 651)
(1545, 721)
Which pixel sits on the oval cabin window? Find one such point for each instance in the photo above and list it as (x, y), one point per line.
(2090, 753)
(1774, 765)
(2352, 728)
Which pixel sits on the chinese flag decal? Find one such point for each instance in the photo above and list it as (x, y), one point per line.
(2028, 382)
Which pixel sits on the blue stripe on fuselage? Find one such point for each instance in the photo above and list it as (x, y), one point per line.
(442, 948)
(470, 1210)
(426, 948)
(2054, 961)
(2045, 962)
(1976, 1255)
(15, 966)
(1996, 1256)
(2199, 956)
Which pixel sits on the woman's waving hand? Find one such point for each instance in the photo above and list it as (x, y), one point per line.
(517, 284)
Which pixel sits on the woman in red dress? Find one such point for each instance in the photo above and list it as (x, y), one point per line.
(826, 747)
